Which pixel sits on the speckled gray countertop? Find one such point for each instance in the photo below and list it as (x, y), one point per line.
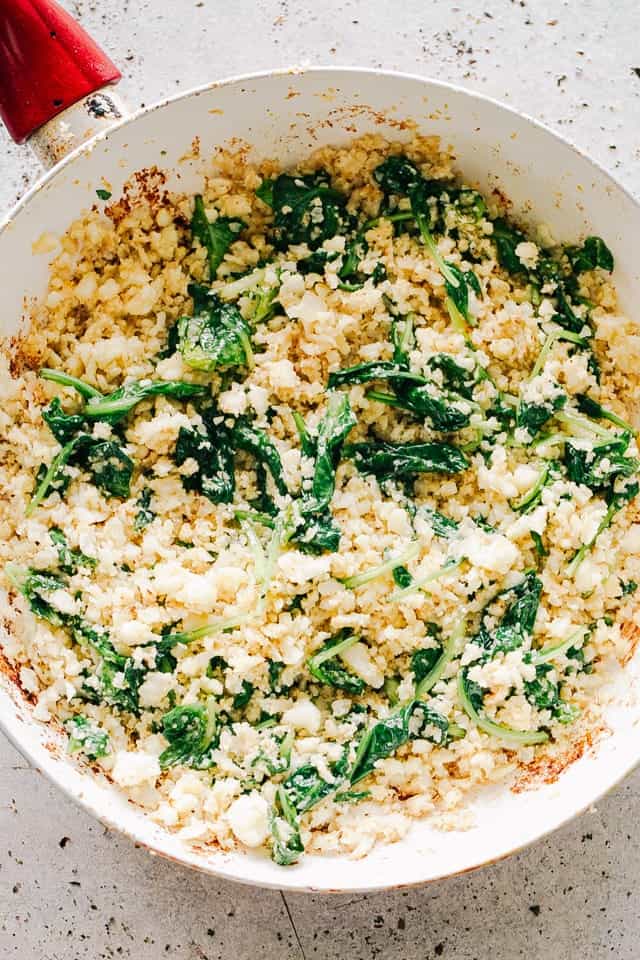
(69, 889)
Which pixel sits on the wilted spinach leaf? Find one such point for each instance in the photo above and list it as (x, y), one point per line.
(517, 621)
(414, 721)
(191, 731)
(216, 235)
(87, 737)
(34, 585)
(387, 461)
(325, 666)
(306, 209)
(116, 406)
(217, 335)
(593, 253)
(69, 559)
(144, 514)
(62, 425)
(544, 694)
(246, 436)
(212, 450)
(597, 468)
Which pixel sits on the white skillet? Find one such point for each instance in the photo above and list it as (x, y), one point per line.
(286, 115)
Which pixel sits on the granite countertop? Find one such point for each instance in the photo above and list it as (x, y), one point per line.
(71, 890)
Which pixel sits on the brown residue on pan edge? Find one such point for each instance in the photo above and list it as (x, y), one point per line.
(547, 769)
(235, 146)
(193, 153)
(143, 186)
(11, 670)
(631, 634)
(21, 353)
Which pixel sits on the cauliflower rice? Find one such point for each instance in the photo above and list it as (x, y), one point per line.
(287, 606)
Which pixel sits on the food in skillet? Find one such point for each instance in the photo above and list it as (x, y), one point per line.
(318, 497)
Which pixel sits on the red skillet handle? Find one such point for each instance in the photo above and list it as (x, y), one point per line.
(47, 63)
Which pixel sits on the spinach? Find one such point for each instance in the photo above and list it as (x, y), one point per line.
(598, 468)
(286, 842)
(471, 698)
(442, 526)
(69, 559)
(401, 334)
(66, 380)
(592, 408)
(265, 192)
(191, 731)
(110, 468)
(412, 392)
(241, 699)
(216, 336)
(306, 209)
(538, 544)
(388, 461)
(593, 253)
(317, 533)
(617, 496)
(458, 293)
(548, 473)
(63, 425)
(423, 661)
(144, 515)
(34, 585)
(456, 378)
(275, 670)
(533, 416)
(414, 721)
(397, 176)
(117, 405)
(429, 664)
(171, 344)
(506, 239)
(217, 235)
(350, 275)
(212, 450)
(117, 679)
(401, 577)
(255, 441)
(103, 194)
(326, 668)
(517, 621)
(315, 262)
(566, 317)
(423, 402)
(544, 694)
(87, 737)
(628, 587)
(333, 429)
(111, 408)
(374, 370)
(307, 442)
(315, 530)
(445, 410)
(305, 788)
